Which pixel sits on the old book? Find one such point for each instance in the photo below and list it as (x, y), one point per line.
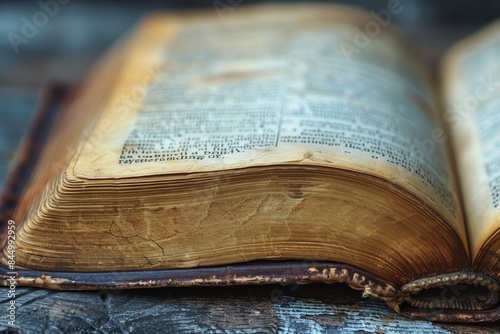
(270, 144)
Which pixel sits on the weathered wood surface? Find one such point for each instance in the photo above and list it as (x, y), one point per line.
(251, 309)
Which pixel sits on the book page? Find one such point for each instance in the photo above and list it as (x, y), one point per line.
(268, 87)
(472, 84)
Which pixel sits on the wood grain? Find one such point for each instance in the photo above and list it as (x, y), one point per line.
(250, 309)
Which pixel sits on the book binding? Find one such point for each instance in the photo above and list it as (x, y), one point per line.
(456, 297)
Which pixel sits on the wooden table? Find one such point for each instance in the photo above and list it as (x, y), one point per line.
(249, 309)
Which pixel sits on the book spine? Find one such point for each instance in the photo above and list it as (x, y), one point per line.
(451, 297)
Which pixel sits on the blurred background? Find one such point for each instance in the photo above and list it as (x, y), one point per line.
(76, 33)
(71, 40)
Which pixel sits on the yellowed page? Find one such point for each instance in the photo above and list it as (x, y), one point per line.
(273, 85)
(472, 85)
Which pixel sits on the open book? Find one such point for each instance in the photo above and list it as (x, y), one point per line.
(274, 144)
